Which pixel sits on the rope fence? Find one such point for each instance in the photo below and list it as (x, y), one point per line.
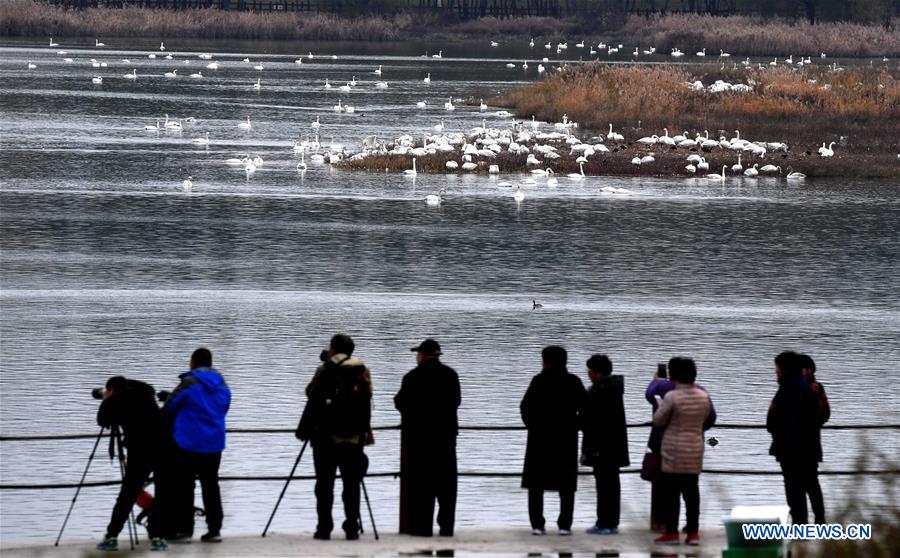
(481, 474)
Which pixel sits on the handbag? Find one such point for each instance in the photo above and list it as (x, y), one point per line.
(651, 466)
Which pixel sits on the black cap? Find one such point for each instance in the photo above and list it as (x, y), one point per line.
(429, 347)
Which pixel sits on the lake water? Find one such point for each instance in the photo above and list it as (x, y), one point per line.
(107, 267)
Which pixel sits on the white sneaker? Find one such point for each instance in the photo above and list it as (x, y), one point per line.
(565, 532)
(538, 532)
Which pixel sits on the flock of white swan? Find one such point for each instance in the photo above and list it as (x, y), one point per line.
(475, 150)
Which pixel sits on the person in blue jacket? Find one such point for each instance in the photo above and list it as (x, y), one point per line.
(196, 411)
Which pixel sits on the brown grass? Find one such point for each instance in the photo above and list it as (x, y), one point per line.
(859, 109)
(746, 36)
(741, 36)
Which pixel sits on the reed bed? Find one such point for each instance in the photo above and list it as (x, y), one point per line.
(743, 36)
(857, 109)
(747, 36)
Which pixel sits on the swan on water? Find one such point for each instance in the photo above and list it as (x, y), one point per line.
(531, 42)
(495, 44)
(258, 67)
(752, 171)
(435, 199)
(482, 107)
(535, 305)
(198, 75)
(345, 87)
(770, 168)
(427, 78)
(378, 71)
(97, 43)
(440, 54)
(245, 125)
(793, 175)
(702, 52)
(575, 175)
(171, 74)
(551, 180)
(151, 55)
(201, 141)
(353, 81)
(172, 124)
(449, 104)
(97, 80)
(412, 171)
(132, 75)
(381, 85)
(31, 66)
(510, 65)
(52, 43)
(827, 151)
(301, 166)
(327, 85)
(519, 195)
(188, 183)
(717, 176)
(702, 165)
(421, 104)
(152, 128)
(258, 84)
(162, 46)
(439, 127)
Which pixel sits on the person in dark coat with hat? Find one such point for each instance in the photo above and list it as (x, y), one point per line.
(551, 411)
(428, 399)
(605, 443)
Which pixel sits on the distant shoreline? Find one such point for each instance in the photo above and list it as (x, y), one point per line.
(738, 35)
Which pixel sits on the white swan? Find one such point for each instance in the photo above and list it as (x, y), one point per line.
(52, 43)
(245, 125)
(381, 85)
(327, 85)
(171, 74)
(770, 168)
(613, 135)
(551, 180)
(440, 54)
(482, 107)
(97, 80)
(427, 78)
(495, 44)
(198, 75)
(575, 175)
(338, 107)
(378, 71)
(31, 66)
(412, 171)
(439, 127)
(97, 43)
(188, 183)
(702, 52)
(752, 171)
(421, 104)
(827, 151)
(345, 87)
(201, 141)
(353, 81)
(173, 125)
(451, 165)
(717, 176)
(259, 67)
(258, 84)
(435, 199)
(152, 128)
(449, 104)
(301, 166)
(162, 46)
(132, 75)
(316, 124)
(691, 169)
(792, 175)
(519, 195)
(737, 167)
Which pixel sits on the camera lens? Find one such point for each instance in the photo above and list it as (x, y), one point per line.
(97, 393)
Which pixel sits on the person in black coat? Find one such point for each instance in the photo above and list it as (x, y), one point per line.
(130, 405)
(551, 411)
(794, 423)
(605, 443)
(428, 399)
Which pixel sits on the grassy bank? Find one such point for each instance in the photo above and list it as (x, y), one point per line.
(857, 109)
(741, 36)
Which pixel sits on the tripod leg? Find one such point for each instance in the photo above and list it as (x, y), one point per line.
(368, 505)
(80, 483)
(129, 522)
(283, 490)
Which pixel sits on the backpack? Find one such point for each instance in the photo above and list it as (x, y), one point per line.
(341, 404)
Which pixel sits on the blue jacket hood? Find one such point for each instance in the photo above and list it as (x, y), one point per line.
(198, 407)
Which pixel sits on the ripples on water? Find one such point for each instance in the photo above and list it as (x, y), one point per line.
(107, 268)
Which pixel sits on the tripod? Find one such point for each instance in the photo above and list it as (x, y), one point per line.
(283, 490)
(132, 530)
(362, 482)
(116, 440)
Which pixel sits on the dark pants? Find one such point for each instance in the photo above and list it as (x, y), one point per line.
(181, 473)
(353, 463)
(431, 473)
(674, 487)
(606, 478)
(137, 472)
(536, 508)
(800, 479)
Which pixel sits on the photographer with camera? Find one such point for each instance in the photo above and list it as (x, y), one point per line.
(337, 422)
(131, 406)
(196, 410)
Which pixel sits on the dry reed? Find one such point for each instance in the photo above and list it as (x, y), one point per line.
(858, 109)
